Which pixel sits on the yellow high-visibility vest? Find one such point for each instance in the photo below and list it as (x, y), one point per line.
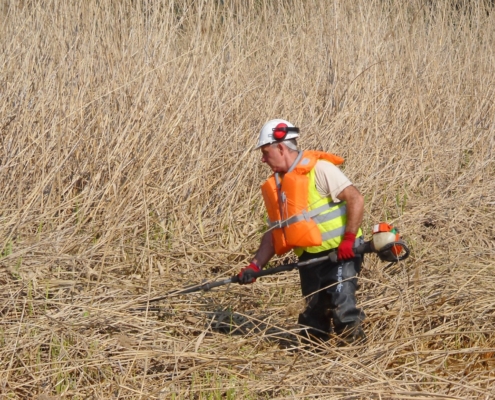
(298, 216)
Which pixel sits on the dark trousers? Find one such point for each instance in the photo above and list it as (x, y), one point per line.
(330, 292)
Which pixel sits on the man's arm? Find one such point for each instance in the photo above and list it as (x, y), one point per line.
(355, 208)
(266, 250)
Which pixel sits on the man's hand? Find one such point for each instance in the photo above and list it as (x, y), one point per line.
(246, 274)
(345, 250)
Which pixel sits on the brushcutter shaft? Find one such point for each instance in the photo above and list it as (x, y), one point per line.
(366, 247)
(202, 287)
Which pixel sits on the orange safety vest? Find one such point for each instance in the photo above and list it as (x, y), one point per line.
(286, 200)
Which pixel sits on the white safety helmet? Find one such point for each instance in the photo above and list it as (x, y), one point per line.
(277, 130)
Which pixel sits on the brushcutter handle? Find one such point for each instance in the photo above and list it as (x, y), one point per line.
(400, 251)
(366, 247)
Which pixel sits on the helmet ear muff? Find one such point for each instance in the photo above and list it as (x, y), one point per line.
(281, 130)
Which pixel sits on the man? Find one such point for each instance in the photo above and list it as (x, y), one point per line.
(313, 209)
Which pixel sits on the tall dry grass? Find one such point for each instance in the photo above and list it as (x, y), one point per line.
(126, 171)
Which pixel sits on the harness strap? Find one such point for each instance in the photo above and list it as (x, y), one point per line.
(296, 161)
(312, 214)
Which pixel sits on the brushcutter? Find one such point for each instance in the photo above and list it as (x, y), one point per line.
(386, 243)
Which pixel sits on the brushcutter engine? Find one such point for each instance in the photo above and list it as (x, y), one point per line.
(387, 243)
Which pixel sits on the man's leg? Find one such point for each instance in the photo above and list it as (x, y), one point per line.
(316, 315)
(346, 316)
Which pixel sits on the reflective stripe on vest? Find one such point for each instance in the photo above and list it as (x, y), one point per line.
(315, 214)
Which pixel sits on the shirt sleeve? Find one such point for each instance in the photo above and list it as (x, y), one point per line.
(330, 180)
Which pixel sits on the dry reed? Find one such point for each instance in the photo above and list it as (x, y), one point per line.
(126, 171)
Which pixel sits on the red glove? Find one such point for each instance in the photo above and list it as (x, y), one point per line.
(345, 250)
(245, 276)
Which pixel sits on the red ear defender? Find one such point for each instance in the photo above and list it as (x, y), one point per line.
(280, 131)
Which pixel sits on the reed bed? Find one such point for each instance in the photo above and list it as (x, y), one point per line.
(127, 171)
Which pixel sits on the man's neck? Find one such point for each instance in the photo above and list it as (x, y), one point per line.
(292, 160)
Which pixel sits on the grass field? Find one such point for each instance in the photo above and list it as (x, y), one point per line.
(127, 171)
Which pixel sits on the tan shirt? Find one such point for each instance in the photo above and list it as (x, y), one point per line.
(330, 180)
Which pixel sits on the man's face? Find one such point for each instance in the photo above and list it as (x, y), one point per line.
(272, 155)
